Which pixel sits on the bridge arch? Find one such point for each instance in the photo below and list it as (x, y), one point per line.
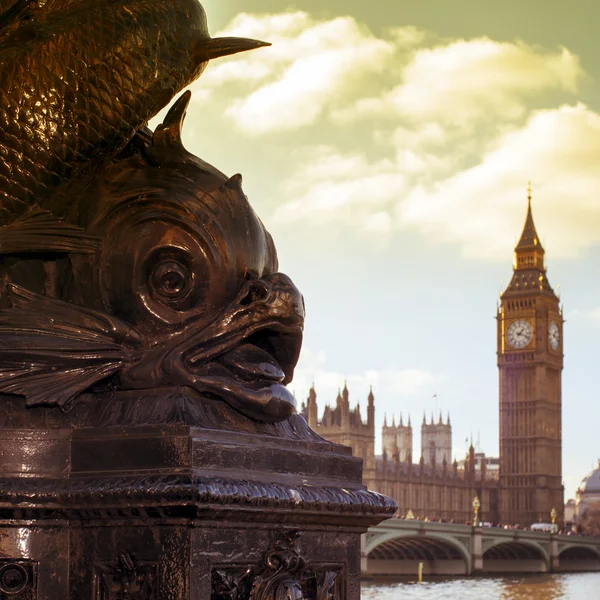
(579, 557)
(580, 548)
(516, 554)
(429, 548)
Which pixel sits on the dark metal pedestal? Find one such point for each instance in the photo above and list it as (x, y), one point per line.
(170, 497)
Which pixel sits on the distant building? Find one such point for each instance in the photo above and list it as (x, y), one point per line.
(436, 441)
(530, 362)
(587, 496)
(490, 463)
(524, 484)
(343, 425)
(570, 511)
(436, 488)
(397, 439)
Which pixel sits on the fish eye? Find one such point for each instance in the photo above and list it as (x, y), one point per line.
(171, 279)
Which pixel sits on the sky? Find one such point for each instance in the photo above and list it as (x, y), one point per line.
(387, 146)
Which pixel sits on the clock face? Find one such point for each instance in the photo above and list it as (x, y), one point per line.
(519, 333)
(554, 335)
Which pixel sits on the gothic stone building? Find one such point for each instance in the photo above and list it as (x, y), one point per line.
(434, 488)
(528, 484)
(530, 362)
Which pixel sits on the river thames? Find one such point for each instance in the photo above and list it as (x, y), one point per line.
(566, 586)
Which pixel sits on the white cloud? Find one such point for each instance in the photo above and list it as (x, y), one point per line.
(229, 71)
(397, 391)
(344, 189)
(339, 68)
(408, 36)
(392, 383)
(413, 131)
(406, 381)
(311, 64)
(478, 208)
(270, 27)
(481, 77)
(482, 207)
(462, 81)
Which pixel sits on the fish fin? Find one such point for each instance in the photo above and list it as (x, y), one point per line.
(41, 231)
(168, 133)
(167, 146)
(51, 351)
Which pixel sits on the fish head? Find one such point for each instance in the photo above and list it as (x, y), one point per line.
(175, 253)
(187, 263)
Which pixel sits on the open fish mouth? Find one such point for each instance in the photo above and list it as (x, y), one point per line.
(267, 355)
(251, 376)
(249, 356)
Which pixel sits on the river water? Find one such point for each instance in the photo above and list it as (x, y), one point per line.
(567, 586)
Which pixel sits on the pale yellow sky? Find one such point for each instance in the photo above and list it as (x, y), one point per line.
(388, 146)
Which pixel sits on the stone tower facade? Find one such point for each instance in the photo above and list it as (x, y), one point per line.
(436, 441)
(343, 425)
(530, 362)
(397, 439)
(435, 491)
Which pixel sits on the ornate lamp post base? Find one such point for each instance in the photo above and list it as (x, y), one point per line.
(108, 505)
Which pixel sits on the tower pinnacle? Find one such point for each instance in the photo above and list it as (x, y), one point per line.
(529, 272)
(529, 240)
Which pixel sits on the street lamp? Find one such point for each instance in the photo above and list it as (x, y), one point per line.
(476, 505)
(553, 515)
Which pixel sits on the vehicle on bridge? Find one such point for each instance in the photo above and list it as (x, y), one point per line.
(545, 527)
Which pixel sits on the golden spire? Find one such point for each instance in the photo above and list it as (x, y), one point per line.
(529, 269)
(529, 238)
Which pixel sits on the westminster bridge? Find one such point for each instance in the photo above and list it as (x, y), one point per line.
(397, 546)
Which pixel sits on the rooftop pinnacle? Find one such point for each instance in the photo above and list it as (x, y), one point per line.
(529, 238)
(529, 269)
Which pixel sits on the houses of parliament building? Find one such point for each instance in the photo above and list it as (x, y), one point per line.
(528, 483)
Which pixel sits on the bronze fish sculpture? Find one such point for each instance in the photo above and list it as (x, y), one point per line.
(78, 78)
(169, 278)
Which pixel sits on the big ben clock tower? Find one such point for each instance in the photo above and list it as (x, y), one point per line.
(530, 362)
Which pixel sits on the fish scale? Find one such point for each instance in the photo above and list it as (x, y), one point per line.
(78, 78)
